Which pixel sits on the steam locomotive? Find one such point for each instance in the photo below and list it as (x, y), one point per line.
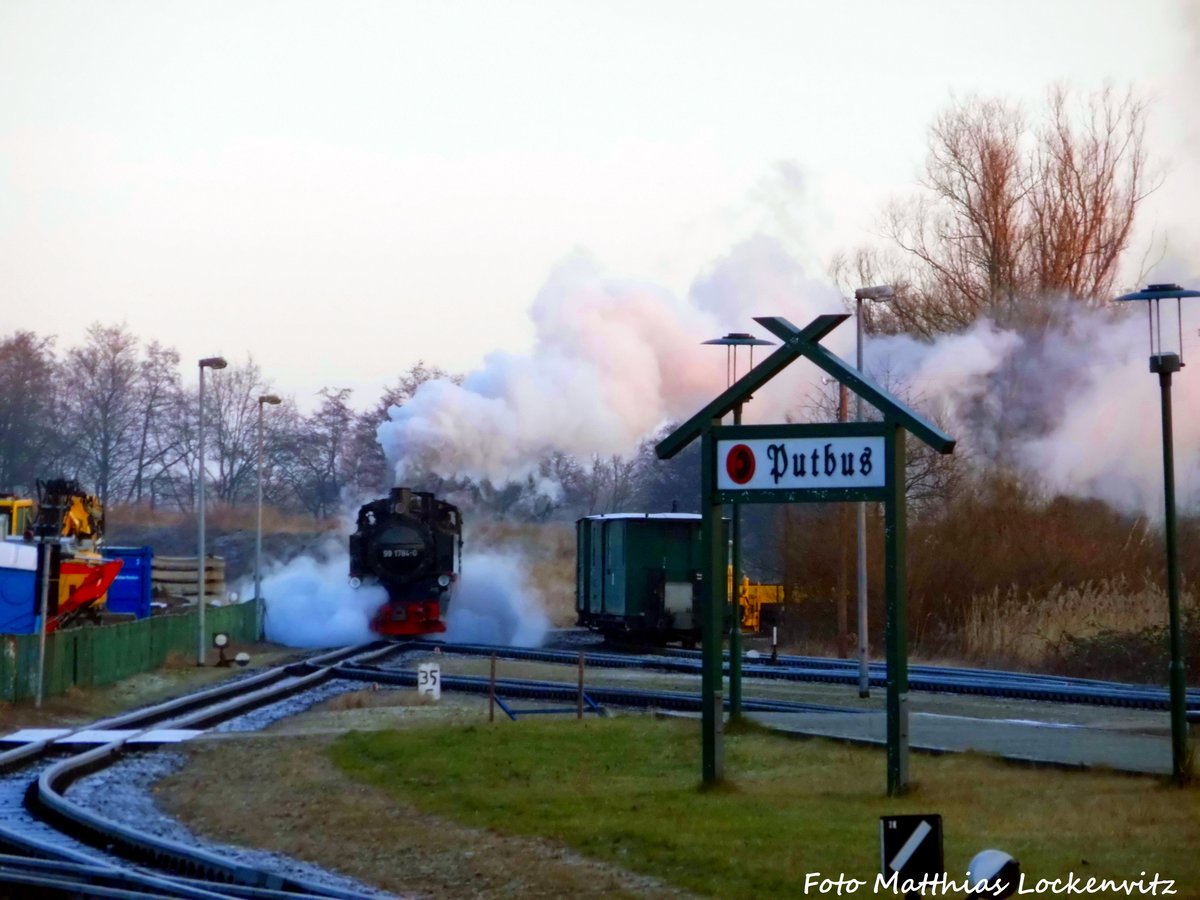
(410, 543)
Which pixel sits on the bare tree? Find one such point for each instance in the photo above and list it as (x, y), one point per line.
(231, 429)
(1087, 181)
(158, 444)
(31, 442)
(314, 462)
(100, 382)
(1012, 217)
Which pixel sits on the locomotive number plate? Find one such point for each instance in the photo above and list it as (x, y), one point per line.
(401, 553)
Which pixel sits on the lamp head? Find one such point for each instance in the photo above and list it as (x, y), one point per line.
(879, 293)
(1166, 353)
(269, 398)
(739, 339)
(213, 362)
(1159, 292)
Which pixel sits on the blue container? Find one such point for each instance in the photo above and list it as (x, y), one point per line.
(17, 601)
(130, 592)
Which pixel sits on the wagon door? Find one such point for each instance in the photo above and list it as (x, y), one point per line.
(595, 575)
(614, 569)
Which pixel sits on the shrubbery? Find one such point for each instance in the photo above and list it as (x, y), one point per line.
(1002, 576)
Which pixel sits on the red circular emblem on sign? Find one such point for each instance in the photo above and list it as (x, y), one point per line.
(740, 464)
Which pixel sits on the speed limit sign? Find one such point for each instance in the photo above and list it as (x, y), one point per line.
(429, 680)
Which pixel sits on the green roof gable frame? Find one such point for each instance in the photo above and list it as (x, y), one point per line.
(804, 342)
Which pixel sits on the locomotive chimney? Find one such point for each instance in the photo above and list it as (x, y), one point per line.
(401, 499)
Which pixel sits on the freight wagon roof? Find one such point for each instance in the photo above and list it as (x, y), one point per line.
(670, 517)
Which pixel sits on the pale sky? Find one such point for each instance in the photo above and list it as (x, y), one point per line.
(342, 188)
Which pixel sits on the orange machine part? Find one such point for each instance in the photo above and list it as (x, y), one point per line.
(83, 583)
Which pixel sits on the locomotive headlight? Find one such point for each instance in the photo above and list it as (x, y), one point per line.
(356, 583)
(444, 580)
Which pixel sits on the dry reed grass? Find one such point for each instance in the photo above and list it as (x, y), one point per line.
(220, 517)
(1001, 574)
(1012, 628)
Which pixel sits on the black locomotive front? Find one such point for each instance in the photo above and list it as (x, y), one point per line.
(410, 543)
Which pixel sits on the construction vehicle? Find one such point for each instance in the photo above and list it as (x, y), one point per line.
(754, 597)
(68, 527)
(67, 512)
(16, 515)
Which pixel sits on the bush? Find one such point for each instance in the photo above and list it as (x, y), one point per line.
(1139, 656)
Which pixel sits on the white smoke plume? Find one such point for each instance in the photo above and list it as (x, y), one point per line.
(1075, 407)
(309, 603)
(612, 362)
(494, 603)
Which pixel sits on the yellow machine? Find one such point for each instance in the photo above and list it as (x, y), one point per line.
(72, 514)
(64, 510)
(754, 597)
(70, 522)
(16, 515)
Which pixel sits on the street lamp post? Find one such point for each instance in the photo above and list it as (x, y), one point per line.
(1165, 364)
(881, 294)
(209, 362)
(274, 401)
(731, 342)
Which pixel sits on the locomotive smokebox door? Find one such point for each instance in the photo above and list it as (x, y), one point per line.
(408, 543)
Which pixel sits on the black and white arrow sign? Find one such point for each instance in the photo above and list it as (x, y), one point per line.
(911, 846)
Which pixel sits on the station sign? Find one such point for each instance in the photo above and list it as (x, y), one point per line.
(799, 464)
(765, 462)
(813, 463)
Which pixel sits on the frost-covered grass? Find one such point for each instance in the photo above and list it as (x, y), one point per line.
(625, 791)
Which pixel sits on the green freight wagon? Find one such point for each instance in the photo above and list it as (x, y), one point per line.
(637, 575)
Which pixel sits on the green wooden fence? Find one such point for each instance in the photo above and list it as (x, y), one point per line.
(93, 656)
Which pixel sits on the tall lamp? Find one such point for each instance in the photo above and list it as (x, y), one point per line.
(1164, 362)
(880, 294)
(273, 400)
(209, 362)
(731, 342)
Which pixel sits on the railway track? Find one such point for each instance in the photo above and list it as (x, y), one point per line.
(51, 845)
(940, 679)
(527, 689)
(54, 847)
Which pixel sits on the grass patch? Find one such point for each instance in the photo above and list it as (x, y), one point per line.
(625, 791)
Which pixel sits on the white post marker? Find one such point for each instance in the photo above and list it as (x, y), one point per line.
(429, 680)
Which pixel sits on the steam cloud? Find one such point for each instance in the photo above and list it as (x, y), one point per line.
(1075, 407)
(612, 362)
(493, 603)
(309, 603)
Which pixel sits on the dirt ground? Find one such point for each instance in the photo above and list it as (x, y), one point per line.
(279, 791)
